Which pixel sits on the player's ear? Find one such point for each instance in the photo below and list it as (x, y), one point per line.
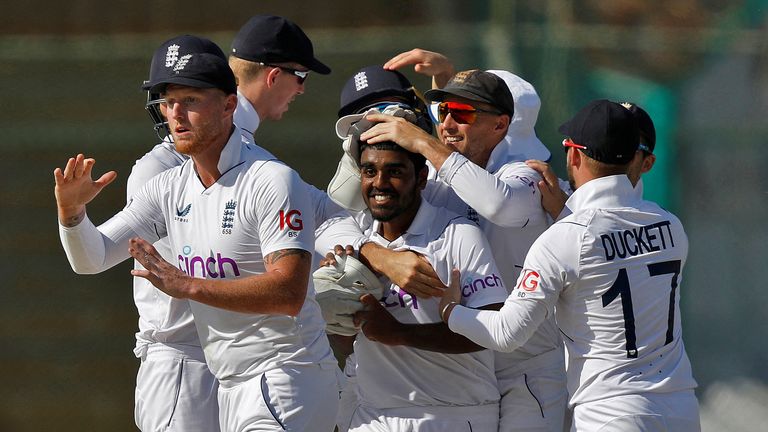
(421, 177)
(230, 104)
(648, 162)
(573, 157)
(271, 76)
(502, 123)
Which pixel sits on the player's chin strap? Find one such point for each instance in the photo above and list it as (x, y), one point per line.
(344, 188)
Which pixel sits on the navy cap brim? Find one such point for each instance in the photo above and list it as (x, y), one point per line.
(438, 95)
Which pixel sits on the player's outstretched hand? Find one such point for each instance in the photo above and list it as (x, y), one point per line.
(552, 197)
(75, 188)
(429, 63)
(376, 323)
(451, 296)
(165, 276)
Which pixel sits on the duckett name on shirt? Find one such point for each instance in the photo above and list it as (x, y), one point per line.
(637, 241)
(472, 286)
(209, 267)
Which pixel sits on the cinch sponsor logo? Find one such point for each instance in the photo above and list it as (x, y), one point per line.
(291, 220)
(401, 299)
(209, 267)
(472, 286)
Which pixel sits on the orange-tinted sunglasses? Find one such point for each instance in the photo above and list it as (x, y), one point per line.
(461, 113)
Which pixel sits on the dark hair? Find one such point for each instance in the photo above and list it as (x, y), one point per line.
(419, 162)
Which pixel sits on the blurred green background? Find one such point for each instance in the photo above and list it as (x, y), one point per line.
(69, 82)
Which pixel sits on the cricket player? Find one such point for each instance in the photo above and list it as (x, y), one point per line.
(235, 221)
(175, 390)
(411, 374)
(611, 273)
(478, 170)
(554, 192)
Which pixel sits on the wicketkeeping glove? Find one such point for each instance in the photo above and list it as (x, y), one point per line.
(338, 290)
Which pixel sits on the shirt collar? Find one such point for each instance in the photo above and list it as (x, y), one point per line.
(231, 154)
(419, 226)
(246, 116)
(604, 192)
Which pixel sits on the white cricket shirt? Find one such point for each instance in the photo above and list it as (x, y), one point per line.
(162, 318)
(505, 201)
(401, 376)
(612, 271)
(257, 206)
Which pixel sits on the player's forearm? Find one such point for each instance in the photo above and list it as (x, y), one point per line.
(434, 151)
(514, 202)
(280, 290)
(92, 250)
(71, 216)
(266, 293)
(504, 330)
(436, 337)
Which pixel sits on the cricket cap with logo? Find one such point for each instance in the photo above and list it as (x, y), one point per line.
(645, 123)
(372, 83)
(168, 54)
(605, 131)
(199, 70)
(273, 39)
(477, 85)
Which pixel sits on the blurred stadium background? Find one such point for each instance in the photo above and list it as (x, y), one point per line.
(69, 82)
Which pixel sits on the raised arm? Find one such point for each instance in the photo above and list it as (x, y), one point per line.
(75, 188)
(429, 63)
(510, 197)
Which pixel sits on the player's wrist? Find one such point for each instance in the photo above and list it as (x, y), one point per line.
(445, 312)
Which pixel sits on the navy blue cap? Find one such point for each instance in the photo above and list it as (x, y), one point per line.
(168, 54)
(371, 83)
(274, 39)
(607, 130)
(477, 85)
(200, 70)
(645, 123)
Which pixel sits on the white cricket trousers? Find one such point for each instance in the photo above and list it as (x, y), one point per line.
(479, 418)
(647, 412)
(175, 391)
(534, 393)
(290, 398)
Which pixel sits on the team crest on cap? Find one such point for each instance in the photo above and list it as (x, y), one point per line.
(462, 76)
(626, 105)
(172, 55)
(361, 81)
(182, 63)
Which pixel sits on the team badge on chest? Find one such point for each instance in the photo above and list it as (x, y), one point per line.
(228, 218)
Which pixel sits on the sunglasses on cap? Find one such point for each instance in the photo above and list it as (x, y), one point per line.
(461, 113)
(569, 143)
(301, 76)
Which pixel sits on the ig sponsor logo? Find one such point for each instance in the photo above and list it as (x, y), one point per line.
(292, 221)
(528, 281)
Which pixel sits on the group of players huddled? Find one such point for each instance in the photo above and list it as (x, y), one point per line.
(446, 281)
